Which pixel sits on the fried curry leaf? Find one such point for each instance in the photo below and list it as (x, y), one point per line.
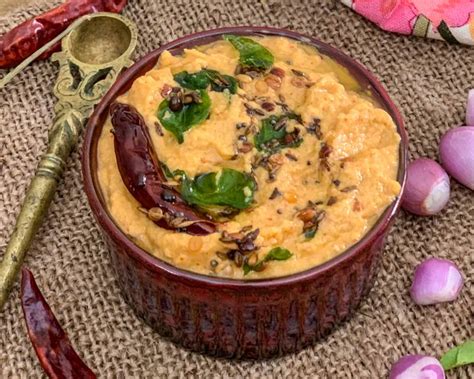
(219, 83)
(275, 254)
(198, 80)
(252, 54)
(202, 79)
(166, 170)
(273, 135)
(278, 254)
(228, 187)
(171, 174)
(180, 121)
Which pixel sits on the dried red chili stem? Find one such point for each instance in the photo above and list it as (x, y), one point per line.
(24, 39)
(51, 344)
(141, 172)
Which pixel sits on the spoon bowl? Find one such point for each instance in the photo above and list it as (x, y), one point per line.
(100, 40)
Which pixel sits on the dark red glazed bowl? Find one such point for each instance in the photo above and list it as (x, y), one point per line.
(236, 318)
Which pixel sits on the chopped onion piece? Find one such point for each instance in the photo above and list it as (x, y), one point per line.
(417, 367)
(427, 188)
(436, 281)
(457, 154)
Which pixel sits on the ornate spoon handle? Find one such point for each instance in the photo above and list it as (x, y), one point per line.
(79, 87)
(38, 198)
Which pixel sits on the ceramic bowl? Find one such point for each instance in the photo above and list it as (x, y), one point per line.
(239, 318)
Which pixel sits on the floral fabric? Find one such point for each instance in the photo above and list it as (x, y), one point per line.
(449, 20)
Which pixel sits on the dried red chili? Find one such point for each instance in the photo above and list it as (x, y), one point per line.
(23, 40)
(144, 178)
(51, 344)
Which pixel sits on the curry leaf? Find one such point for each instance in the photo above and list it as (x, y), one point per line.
(224, 188)
(458, 356)
(252, 54)
(230, 84)
(273, 136)
(256, 267)
(202, 79)
(171, 174)
(278, 254)
(180, 121)
(198, 80)
(166, 170)
(220, 82)
(275, 254)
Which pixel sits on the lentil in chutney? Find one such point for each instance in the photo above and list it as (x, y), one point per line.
(263, 157)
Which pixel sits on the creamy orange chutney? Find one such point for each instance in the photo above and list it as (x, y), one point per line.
(314, 200)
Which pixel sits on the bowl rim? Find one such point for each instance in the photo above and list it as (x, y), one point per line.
(158, 265)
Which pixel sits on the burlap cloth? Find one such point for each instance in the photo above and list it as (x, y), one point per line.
(427, 79)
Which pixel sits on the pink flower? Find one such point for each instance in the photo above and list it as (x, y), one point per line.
(453, 12)
(400, 15)
(393, 15)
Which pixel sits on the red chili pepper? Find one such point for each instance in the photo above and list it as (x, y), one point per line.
(23, 40)
(143, 176)
(51, 344)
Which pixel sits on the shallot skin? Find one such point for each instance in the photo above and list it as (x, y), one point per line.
(417, 367)
(457, 154)
(470, 108)
(427, 189)
(436, 281)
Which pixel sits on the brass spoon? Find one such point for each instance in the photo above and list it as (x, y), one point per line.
(95, 49)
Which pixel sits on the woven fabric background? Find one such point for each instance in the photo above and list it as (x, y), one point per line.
(427, 79)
